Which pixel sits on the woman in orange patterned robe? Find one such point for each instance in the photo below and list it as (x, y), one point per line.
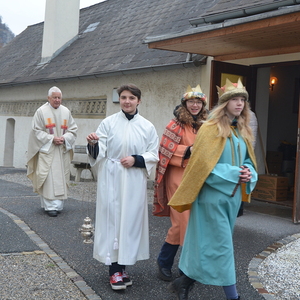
(174, 152)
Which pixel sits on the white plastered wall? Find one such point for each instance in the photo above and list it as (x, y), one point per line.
(161, 92)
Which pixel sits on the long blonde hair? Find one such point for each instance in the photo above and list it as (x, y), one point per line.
(219, 117)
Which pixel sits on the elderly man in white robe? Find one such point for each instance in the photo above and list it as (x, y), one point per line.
(125, 146)
(50, 151)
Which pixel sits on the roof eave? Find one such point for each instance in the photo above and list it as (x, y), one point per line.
(242, 12)
(225, 23)
(188, 64)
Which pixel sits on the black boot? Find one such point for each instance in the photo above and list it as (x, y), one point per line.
(181, 287)
(165, 261)
(241, 210)
(235, 299)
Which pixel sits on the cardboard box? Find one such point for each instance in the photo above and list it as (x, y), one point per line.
(269, 195)
(272, 182)
(274, 156)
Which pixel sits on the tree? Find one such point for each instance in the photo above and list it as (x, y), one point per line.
(6, 35)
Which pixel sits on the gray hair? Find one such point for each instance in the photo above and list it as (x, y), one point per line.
(54, 89)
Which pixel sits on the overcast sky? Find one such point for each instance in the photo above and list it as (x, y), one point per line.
(18, 14)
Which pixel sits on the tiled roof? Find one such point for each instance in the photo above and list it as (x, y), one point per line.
(115, 45)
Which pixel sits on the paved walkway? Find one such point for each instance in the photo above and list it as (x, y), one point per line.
(26, 230)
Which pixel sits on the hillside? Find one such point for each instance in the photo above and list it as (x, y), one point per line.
(6, 35)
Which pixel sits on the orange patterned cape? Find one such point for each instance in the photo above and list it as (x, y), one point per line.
(168, 145)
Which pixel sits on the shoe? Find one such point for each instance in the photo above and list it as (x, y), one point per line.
(52, 213)
(163, 273)
(126, 279)
(116, 281)
(181, 286)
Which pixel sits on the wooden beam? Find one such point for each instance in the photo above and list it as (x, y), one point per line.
(267, 52)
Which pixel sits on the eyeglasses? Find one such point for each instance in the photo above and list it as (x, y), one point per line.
(192, 102)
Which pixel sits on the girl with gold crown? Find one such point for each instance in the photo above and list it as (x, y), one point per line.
(221, 172)
(174, 152)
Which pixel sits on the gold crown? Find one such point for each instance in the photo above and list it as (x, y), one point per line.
(230, 89)
(194, 93)
(196, 89)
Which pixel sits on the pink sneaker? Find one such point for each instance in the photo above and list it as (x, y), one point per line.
(116, 281)
(126, 279)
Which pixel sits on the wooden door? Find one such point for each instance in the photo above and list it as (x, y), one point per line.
(296, 202)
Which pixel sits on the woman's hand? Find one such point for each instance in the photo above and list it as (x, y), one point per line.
(245, 174)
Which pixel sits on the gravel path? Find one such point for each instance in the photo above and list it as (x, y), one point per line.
(280, 272)
(43, 280)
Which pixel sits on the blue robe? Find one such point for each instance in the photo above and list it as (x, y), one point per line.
(208, 255)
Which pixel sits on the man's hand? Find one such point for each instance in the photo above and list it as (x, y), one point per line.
(92, 138)
(127, 162)
(58, 140)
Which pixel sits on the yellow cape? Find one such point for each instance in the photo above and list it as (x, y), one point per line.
(207, 151)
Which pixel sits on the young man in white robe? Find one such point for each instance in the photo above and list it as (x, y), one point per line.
(50, 151)
(125, 146)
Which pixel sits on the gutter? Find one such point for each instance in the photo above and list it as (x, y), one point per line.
(226, 23)
(243, 12)
(183, 65)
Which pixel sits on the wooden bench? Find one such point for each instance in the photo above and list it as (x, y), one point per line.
(81, 164)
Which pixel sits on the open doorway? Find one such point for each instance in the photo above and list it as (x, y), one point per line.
(276, 105)
(278, 114)
(283, 125)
